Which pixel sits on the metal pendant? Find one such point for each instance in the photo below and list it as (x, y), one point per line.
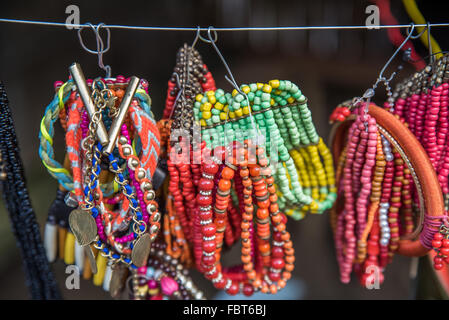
(118, 278)
(83, 226)
(141, 250)
(91, 258)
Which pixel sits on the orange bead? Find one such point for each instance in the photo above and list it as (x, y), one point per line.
(256, 283)
(252, 275)
(286, 275)
(262, 213)
(248, 266)
(224, 184)
(290, 259)
(227, 173)
(273, 289)
(264, 247)
(289, 267)
(274, 207)
(280, 227)
(282, 283)
(246, 259)
(254, 171)
(286, 237)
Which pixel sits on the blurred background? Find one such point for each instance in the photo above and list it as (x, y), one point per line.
(329, 66)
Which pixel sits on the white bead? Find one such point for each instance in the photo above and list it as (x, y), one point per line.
(384, 242)
(79, 256)
(50, 241)
(107, 278)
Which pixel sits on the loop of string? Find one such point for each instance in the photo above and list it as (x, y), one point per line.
(101, 49)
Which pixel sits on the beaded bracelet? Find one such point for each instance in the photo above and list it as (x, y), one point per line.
(134, 199)
(265, 267)
(366, 227)
(281, 115)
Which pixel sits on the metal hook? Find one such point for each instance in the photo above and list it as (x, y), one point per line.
(429, 44)
(100, 45)
(409, 35)
(229, 77)
(197, 36)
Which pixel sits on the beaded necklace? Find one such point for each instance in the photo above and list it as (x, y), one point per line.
(375, 171)
(423, 101)
(39, 277)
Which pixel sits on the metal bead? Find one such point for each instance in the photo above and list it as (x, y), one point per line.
(123, 140)
(133, 163)
(141, 174)
(150, 195)
(127, 150)
(146, 186)
(157, 217)
(154, 229)
(151, 208)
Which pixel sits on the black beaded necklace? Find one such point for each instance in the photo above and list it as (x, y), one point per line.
(39, 277)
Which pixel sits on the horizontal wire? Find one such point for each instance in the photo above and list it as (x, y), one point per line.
(144, 28)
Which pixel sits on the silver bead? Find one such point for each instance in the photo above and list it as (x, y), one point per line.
(383, 224)
(127, 150)
(154, 229)
(157, 217)
(385, 230)
(123, 140)
(384, 242)
(141, 174)
(150, 195)
(389, 157)
(146, 186)
(133, 163)
(188, 285)
(151, 208)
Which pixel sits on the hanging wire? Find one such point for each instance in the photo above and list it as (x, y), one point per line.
(152, 28)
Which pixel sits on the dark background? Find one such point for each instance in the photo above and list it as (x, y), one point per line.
(328, 66)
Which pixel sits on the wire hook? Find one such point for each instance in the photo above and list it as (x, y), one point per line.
(429, 44)
(409, 35)
(101, 49)
(229, 77)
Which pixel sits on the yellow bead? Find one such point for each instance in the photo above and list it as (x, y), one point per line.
(101, 269)
(203, 123)
(222, 116)
(218, 106)
(259, 86)
(207, 115)
(234, 92)
(212, 99)
(246, 89)
(291, 100)
(274, 83)
(277, 92)
(206, 107)
(272, 102)
(69, 249)
(246, 110)
(267, 88)
(210, 93)
(238, 112)
(199, 97)
(232, 114)
(226, 108)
